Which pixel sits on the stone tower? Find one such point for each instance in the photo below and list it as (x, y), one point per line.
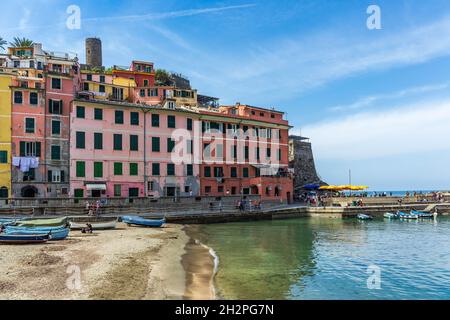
(94, 52)
(301, 158)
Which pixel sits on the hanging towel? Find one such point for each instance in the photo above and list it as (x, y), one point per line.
(25, 164)
(16, 161)
(34, 162)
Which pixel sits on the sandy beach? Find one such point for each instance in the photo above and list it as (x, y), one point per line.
(126, 263)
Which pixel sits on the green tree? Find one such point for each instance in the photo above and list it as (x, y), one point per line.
(21, 42)
(2, 43)
(162, 77)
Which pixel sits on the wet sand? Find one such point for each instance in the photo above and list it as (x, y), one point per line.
(126, 263)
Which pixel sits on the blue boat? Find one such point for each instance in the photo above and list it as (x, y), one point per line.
(408, 216)
(23, 238)
(362, 216)
(7, 221)
(35, 229)
(422, 214)
(135, 220)
(55, 233)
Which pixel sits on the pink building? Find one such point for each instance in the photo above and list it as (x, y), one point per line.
(120, 149)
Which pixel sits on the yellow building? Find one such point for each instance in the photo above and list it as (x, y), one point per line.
(5, 135)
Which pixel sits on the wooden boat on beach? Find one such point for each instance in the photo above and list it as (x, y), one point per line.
(101, 225)
(54, 233)
(135, 220)
(23, 239)
(55, 222)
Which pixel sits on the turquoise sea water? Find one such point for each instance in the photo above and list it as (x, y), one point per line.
(323, 258)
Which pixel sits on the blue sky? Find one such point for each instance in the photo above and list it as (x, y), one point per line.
(375, 101)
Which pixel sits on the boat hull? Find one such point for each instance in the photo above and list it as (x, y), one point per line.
(54, 235)
(95, 225)
(23, 239)
(132, 220)
(56, 222)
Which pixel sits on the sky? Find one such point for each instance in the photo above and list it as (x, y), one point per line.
(373, 101)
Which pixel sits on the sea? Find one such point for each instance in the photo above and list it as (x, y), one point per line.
(323, 258)
(395, 193)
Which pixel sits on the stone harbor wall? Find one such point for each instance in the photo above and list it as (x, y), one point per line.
(301, 159)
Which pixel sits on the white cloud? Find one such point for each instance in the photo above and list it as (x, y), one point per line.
(404, 130)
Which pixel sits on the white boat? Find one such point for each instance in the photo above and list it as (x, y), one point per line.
(100, 225)
(390, 215)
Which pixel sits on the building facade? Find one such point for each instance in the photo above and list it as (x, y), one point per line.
(5, 131)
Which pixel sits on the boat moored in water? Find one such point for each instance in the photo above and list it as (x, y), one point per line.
(407, 216)
(362, 216)
(390, 215)
(135, 220)
(422, 214)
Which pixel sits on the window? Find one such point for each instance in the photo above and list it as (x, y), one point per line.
(33, 98)
(233, 172)
(155, 120)
(78, 193)
(234, 152)
(155, 144)
(30, 149)
(80, 140)
(3, 156)
(170, 169)
(98, 114)
(170, 121)
(134, 142)
(86, 86)
(219, 150)
(80, 169)
(268, 153)
(118, 117)
(56, 152)
(118, 168)
(80, 112)
(102, 79)
(55, 106)
(151, 186)
(261, 114)
(29, 125)
(257, 154)
(117, 142)
(134, 118)
(220, 189)
(279, 155)
(117, 93)
(30, 175)
(56, 83)
(142, 92)
(189, 146)
(152, 92)
(245, 172)
(189, 170)
(56, 127)
(18, 97)
(155, 169)
(206, 150)
(117, 190)
(207, 172)
(133, 192)
(189, 124)
(170, 145)
(133, 169)
(171, 105)
(55, 176)
(98, 169)
(98, 141)
(101, 88)
(207, 189)
(246, 152)
(145, 83)
(89, 77)
(218, 172)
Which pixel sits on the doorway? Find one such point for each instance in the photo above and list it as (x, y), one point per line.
(29, 192)
(96, 193)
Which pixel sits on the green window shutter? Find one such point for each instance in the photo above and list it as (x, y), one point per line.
(134, 142)
(170, 145)
(155, 144)
(268, 153)
(56, 127)
(245, 172)
(98, 114)
(117, 142)
(56, 152)
(62, 175)
(3, 156)
(171, 122)
(22, 148)
(79, 193)
(207, 171)
(134, 118)
(118, 168)
(98, 140)
(189, 170)
(233, 172)
(189, 124)
(155, 169)
(246, 153)
(81, 169)
(279, 155)
(98, 169)
(38, 149)
(133, 169)
(29, 125)
(119, 117)
(170, 169)
(49, 176)
(80, 112)
(155, 120)
(117, 190)
(80, 140)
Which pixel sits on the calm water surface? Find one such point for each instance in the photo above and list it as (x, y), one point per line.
(323, 258)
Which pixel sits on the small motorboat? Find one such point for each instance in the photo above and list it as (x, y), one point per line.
(407, 216)
(422, 214)
(135, 220)
(23, 238)
(362, 216)
(7, 221)
(390, 215)
(56, 222)
(102, 225)
(54, 233)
